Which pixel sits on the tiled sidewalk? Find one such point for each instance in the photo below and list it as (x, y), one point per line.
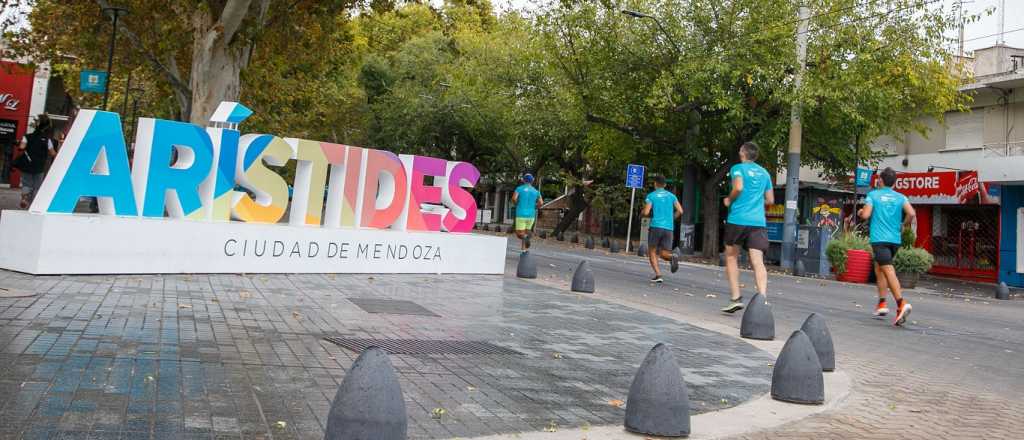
(228, 356)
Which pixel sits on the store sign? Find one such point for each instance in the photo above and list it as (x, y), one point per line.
(92, 81)
(8, 130)
(9, 102)
(214, 175)
(943, 188)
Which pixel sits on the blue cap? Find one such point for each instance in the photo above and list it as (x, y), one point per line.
(528, 178)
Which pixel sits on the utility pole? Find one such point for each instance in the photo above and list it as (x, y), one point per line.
(1002, 23)
(789, 230)
(115, 13)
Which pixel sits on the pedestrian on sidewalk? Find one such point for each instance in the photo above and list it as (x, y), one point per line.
(745, 228)
(36, 148)
(889, 213)
(527, 199)
(663, 208)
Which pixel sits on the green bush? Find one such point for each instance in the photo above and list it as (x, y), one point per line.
(913, 260)
(837, 248)
(909, 238)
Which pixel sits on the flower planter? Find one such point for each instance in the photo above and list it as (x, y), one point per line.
(858, 267)
(908, 280)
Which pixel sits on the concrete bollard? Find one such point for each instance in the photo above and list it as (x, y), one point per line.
(799, 268)
(590, 242)
(817, 331)
(369, 402)
(797, 376)
(658, 402)
(527, 266)
(1002, 291)
(606, 243)
(613, 247)
(641, 251)
(758, 322)
(583, 278)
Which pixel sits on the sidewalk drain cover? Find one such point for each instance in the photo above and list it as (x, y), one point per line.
(421, 346)
(391, 307)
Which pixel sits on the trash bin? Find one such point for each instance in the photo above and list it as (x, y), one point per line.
(811, 242)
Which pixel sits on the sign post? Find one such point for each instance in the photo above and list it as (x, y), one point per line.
(634, 180)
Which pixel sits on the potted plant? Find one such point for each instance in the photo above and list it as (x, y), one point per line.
(850, 256)
(910, 263)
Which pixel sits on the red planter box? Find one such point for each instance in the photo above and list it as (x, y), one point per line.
(858, 267)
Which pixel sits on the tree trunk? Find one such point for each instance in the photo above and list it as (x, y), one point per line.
(216, 69)
(711, 205)
(577, 203)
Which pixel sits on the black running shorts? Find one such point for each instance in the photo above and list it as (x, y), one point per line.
(884, 252)
(659, 239)
(750, 237)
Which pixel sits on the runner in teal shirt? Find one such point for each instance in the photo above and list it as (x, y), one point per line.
(527, 200)
(889, 212)
(745, 228)
(664, 208)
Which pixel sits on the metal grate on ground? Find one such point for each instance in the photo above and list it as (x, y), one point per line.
(391, 307)
(422, 346)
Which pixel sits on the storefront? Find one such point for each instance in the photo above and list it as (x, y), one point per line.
(16, 83)
(958, 221)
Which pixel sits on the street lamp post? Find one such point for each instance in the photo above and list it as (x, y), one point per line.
(689, 202)
(115, 12)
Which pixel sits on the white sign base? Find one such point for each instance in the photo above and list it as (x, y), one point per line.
(50, 244)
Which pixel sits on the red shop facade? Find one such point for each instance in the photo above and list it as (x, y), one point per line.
(16, 82)
(957, 221)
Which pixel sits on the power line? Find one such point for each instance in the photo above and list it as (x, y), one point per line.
(995, 34)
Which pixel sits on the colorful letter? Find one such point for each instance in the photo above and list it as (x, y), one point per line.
(310, 179)
(92, 162)
(269, 187)
(384, 184)
(462, 215)
(158, 183)
(424, 210)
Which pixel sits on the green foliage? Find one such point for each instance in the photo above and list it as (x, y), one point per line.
(837, 248)
(908, 238)
(913, 260)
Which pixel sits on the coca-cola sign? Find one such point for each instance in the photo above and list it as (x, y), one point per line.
(9, 102)
(942, 188)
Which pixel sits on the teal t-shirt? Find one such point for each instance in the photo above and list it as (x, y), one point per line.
(748, 208)
(886, 215)
(662, 208)
(526, 204)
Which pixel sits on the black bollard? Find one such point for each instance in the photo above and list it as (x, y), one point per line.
(527, 266)
(613, 247)
(543, 234)
(369, 402)
(590, 242)
(606, 243)
(641, 251)
(758, 322)
(658, 403)
(721, 259)
(583, 278)
(1002, 291)
(574, 238)
(797, 376)
(799, 268)
(817, 331)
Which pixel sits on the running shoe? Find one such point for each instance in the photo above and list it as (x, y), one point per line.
(657, 279)
(734, 306)
(902, 312)
(881, 309)
(675, 262)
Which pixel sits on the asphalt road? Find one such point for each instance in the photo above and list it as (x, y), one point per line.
(976, 343)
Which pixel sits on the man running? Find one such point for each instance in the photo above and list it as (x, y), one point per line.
(889, 212)
(527, 199)
(745, 226)
(664, 208)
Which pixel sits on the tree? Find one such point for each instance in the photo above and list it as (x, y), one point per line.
(213, 41)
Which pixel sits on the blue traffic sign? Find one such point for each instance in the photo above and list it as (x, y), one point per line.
(634, 176)
(864, 177)
(92, 81)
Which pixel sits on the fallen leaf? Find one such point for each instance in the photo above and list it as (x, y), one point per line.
(244, 295)
(470, 388)
(184, 306)
(552, 427)
(297, 315)
(689, 294)
(557, 355)
(711, 295)
(616, 403)
(281, 424)
(437, 413)
(915, 410)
